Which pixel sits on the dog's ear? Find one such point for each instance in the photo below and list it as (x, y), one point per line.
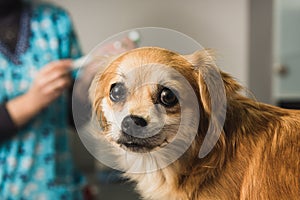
(212, 82)
(212, 94)
(209, 79)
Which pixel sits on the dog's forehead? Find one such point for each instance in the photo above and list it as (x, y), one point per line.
(146, 62)
(147, 55)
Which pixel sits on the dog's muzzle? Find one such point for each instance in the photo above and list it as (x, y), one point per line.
(134, 134)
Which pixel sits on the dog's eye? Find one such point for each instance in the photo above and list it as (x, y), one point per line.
(167, 98)
(117, 92)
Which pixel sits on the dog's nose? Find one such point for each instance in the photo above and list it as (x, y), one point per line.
(132, 124)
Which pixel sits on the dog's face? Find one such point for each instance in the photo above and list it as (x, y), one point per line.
(145, 97)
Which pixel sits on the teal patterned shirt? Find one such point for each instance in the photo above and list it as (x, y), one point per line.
(36, 163)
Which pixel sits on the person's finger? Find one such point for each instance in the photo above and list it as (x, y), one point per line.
(62, 83)
(59, 64)
(58, 84)
(53, 75)
(66, 63)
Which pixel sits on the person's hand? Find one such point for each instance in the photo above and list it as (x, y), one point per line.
(48, 85)
(50, 82)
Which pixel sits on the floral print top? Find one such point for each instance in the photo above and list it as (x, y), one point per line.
(36, 163)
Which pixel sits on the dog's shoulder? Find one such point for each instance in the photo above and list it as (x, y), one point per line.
(274, 169)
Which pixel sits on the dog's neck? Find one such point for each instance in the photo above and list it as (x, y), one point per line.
(173, 181)
(224, 166)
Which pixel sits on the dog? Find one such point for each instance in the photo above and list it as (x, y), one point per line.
(156, 107)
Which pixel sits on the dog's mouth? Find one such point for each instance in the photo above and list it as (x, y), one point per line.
(136, 147)
(139, 145)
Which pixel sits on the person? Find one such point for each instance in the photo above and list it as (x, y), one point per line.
(37, 42)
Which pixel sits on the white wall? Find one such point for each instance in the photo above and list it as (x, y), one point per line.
(221, 25)
(261, 49)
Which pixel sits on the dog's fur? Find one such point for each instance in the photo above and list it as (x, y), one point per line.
(257, 155)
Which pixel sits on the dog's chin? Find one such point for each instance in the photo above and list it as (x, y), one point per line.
(140, 145)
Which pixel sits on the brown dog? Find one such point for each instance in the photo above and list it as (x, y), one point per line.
(139, 101)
